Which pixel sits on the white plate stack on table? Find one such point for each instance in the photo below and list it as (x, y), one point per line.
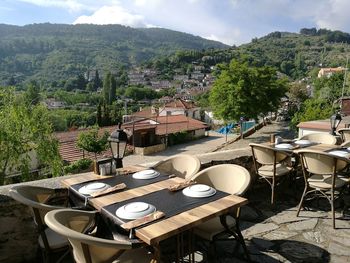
(146, 174)
(303, 142)
(134, 210)
(93, 187)
(199, 190)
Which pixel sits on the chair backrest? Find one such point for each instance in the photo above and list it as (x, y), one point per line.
(182, 165)
(229, 178)
(345, 134)
(318, 162)
(35, 197)
(319, 137)
(266, 155)
(86, 248)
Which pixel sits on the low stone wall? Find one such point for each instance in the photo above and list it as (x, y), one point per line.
(149, 149)
(18, 235)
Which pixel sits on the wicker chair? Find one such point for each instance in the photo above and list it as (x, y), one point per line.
(319, 137)
(321, 175)
(76, 226)
(270, 164)
(182, 165)
(344, 134)
(229, 178)
(42, 200)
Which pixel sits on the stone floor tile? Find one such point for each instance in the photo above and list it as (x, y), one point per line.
(303, 225)
(286, 217)
(339, 259)
(301, 251)
(316, 237)
(337, 249)
(345, 241)
(280, 234)
(259, 229)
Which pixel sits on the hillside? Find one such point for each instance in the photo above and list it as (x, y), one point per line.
(298, 55)
(54, 52)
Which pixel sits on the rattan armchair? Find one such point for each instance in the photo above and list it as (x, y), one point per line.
(78, 227)
(181, 165)
(271, 165)
(321, 176)
(344, 134)
(229, 178)
(42, 200)
(320, 137)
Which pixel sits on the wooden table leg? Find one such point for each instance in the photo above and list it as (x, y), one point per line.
(156, 254)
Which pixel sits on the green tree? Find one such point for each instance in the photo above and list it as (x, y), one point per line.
(24, 129)
(32, 94)
(243, 90)
(91, 141)
(312, 109)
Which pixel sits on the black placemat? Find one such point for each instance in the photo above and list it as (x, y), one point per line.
(171, 203)
(128, 180)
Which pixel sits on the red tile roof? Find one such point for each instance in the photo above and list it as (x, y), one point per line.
(68, 149)
(163, 125)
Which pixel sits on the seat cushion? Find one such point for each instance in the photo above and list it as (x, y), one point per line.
(211, 228)
(267, 170)
(325, 181)
(55, 240)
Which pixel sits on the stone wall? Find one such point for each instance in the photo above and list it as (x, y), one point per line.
(18, 235)
(149, 149)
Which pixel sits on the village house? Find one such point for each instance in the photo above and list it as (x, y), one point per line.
(329, 71)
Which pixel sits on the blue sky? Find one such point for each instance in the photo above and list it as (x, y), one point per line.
(228, 21)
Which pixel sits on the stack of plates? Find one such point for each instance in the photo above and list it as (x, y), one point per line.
(146, 174)
(134, 210)
(93, 187)
(303, 142)
(199, 190)
(284, 146)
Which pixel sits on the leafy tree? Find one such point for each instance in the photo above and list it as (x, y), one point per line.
(24, 129)
(242, 90)
(32, 94)
(329, 88)
(91, 141)
(312, 109)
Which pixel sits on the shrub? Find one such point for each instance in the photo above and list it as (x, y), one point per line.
(78, 166)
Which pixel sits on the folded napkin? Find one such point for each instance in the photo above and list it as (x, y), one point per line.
(109, 190)
(143, 220)
(179, 186)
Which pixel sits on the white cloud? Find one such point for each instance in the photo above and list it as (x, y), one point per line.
(112, 15)
(334, 15)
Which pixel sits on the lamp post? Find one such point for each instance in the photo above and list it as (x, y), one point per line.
(117, 141)
(335, 120)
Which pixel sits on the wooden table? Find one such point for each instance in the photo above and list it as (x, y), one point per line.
(154, 233)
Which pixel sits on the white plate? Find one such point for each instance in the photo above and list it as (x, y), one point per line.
(146, 174)
(93, 187)
(199, 190)
(303, 142)
(284, 146)
(134, 210)
(340, 153)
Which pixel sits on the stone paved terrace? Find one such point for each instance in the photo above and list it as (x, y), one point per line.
(272, 233)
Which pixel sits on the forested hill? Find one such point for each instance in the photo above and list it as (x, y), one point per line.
(54, 52)
(300, 54)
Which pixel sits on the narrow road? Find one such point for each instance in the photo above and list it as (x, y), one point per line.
(212, 142)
